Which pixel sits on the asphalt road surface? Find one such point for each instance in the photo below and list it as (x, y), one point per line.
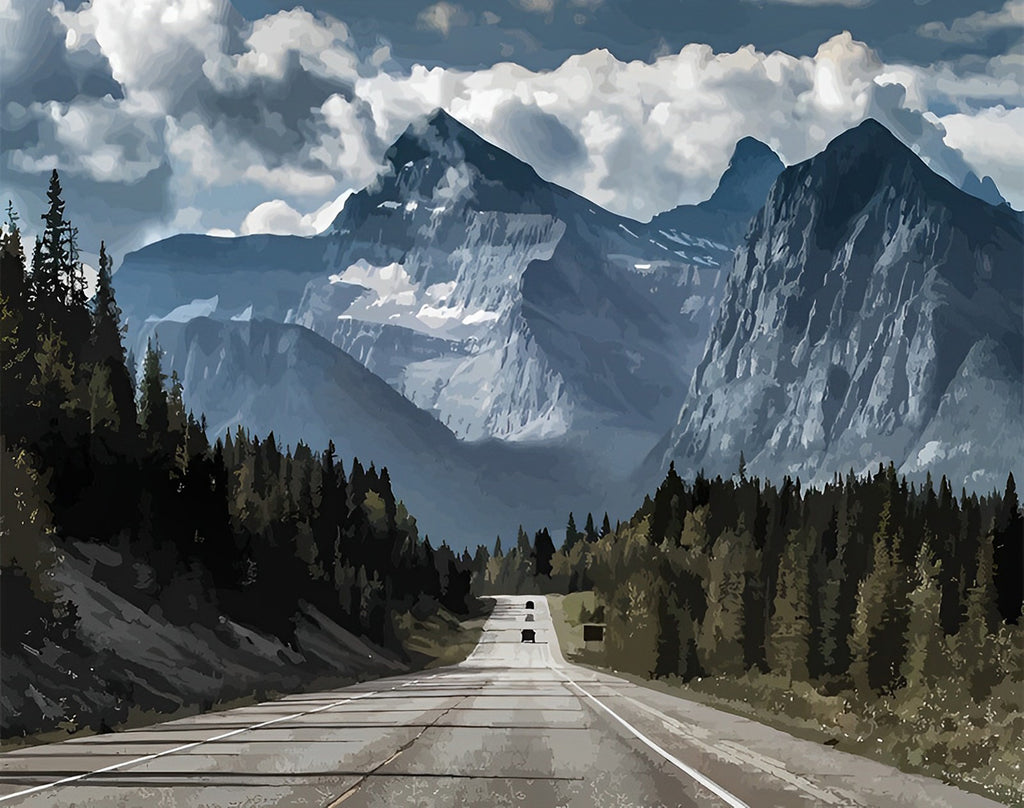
(514, 725)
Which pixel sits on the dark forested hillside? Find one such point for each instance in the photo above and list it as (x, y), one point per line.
(264, 535)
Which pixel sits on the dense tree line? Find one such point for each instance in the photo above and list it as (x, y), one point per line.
(899, 605)
(90, 453)
(869, 582)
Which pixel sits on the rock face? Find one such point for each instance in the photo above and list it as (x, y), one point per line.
(504, 305)
(741, 192)
(874, 313)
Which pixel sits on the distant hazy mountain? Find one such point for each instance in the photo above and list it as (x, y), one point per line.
(874, 312)
(283, 378)
(741, 192)
(984, 189)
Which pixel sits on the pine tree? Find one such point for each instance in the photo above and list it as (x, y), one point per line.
(523, 544)
(606, 526)
(51, 271)
(52, 389)
(734, 561)
(1009, 554)
(572, 535)
(589, 530)
(544, 551)
(17, 331)
(103, 412)
(926, 642)
(154, 416)
(789, 640)
(106, 342)
(669, 508)
(876, 642)
(976, 649)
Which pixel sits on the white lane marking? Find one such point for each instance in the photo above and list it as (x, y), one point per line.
(740, 754)
(182, 748)
(691, 772)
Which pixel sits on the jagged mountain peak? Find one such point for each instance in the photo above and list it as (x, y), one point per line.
(444, 140)
(439, 163)
(752, 169)
(434, 135)
(864, 284)
(741, 192)
(984, 189)
(869, 158)
(868, 168)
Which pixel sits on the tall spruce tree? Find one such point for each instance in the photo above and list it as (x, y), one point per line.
(544, 551)
(52, 267)
(107, 348)
(926, 659)
(17, 330)
(1009, 554)
(789, 640)
(876, 643)
(572, 534)
(154, 417)
(734, 561)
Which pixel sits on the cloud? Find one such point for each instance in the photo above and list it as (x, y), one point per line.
(278, 217)
(641, 137)
(992, 140)
(442, 17)
(211, 122)
(275, 216)
(977, 25)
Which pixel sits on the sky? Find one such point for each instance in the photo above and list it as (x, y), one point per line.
(169, 116)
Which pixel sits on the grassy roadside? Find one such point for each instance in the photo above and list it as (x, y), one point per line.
(803, 712)
(441, 638)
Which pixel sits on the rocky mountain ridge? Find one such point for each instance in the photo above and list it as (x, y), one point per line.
(874, 313)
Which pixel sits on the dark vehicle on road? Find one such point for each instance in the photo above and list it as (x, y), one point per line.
(529, 604)
(529, 635)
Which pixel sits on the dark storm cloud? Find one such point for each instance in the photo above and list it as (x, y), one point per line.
(36, 65)
(634, 29)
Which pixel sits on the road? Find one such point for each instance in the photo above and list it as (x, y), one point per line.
(512, 725)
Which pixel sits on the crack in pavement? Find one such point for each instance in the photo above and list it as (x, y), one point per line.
(353, 789)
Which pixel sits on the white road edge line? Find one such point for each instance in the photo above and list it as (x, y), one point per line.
(182, 748)
(691, 772)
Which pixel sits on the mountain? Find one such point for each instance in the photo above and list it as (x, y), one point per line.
(984, 189)
(741, 192)
(283, 378)
(874, 313)
(506, 306)
(514, 308)
(259, 275)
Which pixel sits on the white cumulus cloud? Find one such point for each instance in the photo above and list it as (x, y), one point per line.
(992, 141)
(264, 125)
